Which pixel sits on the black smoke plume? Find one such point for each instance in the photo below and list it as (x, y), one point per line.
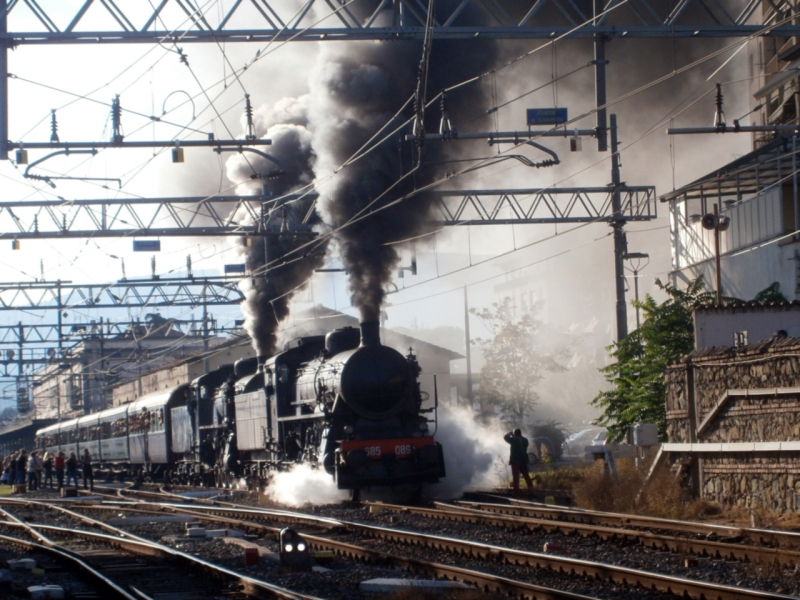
(356, 89)
(273, 281)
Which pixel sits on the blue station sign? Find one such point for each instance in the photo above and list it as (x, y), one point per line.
(547, 116)
(231, 269)
(146, 246)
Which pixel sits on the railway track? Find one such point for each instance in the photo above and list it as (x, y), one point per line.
(610, 574)
(102, 587)
(701, 546)
(484, 581)
(140, 569)
(786, 540)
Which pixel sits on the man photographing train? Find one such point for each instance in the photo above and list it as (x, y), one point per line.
(518, 458)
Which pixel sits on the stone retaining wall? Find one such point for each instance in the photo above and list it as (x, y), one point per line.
(710, 382)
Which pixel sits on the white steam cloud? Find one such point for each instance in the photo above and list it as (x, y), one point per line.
(304, 485)
(474, 453)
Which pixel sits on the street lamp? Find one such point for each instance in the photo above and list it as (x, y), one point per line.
(635, 268)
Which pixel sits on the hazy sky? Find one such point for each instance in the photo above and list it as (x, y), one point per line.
(80, 82)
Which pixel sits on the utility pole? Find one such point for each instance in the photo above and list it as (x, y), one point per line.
(470, 396)
(618, 223)
(205, 335)
(716, 253)
(600, 63)
(60, 306)
(20, 367)
(3, 84)
(102, 370)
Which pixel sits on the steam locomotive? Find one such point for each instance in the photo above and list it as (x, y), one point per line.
(342, 402)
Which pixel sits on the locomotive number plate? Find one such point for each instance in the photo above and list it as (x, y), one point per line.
(401, 448)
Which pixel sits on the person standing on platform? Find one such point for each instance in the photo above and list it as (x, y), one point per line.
(22, 467)
(88, 475)
(518, 459)
(58, 463)
(48, 470)
(72, 469)
(33, 476)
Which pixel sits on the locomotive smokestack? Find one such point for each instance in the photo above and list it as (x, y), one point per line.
(371, 333)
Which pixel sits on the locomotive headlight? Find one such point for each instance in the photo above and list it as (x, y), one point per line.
(348, 429)
(423, 426)
(301, 547)
(288, 548)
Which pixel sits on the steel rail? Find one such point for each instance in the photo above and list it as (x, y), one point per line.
(606, 572)
(139, 545)
(701, 547)
(110, 589)
(485, 581)
(601, 571)
(777, 539)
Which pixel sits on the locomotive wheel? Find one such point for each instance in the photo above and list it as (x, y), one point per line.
(223, 479)
(355, 495)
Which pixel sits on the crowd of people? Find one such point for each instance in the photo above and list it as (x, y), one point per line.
(37, 470)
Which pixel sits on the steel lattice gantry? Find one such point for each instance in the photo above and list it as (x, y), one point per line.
(119, 217)
(183, 21)
(545, 205)
(48, 333)
(189, 292)
(56, 219)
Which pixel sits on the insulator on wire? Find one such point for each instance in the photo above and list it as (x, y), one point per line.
(248, 111)
(719, 115)
(53, 126)
(446, 129)
(116, 121)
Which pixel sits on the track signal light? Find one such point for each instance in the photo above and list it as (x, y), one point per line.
(21, 157)
(15, 245)
(177, 155)
(294, 552)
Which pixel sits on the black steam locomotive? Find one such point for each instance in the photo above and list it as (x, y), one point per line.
(342, 402)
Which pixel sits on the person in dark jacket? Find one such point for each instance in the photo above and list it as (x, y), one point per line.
(47, 465)
(88, 474)
(518, 459)
(22, 467)
(72, 469)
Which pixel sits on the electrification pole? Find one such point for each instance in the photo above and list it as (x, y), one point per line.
(600, 63)
(3, 84)
(618, 223)
(470, 396)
